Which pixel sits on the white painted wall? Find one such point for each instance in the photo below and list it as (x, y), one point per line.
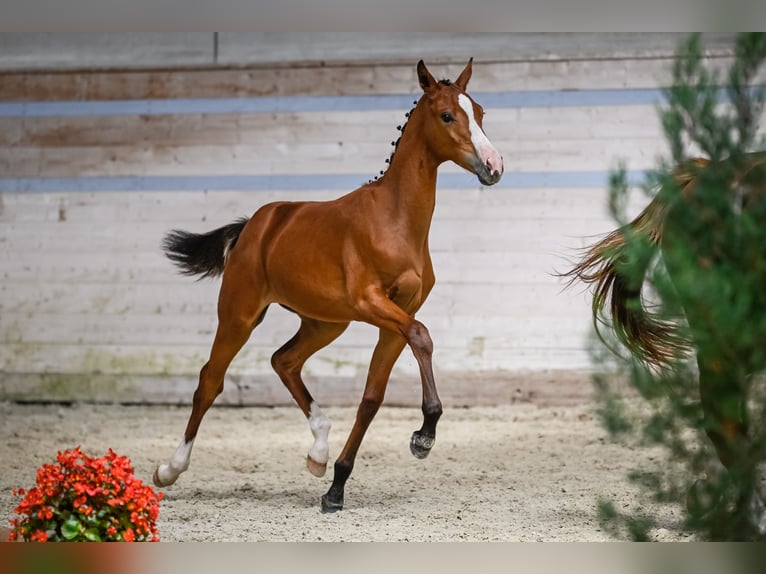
(89, 307)
(36, 51)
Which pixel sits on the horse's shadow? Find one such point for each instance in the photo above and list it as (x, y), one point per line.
(298, 497)
(272, 497)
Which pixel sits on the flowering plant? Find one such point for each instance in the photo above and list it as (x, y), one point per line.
(87, 499)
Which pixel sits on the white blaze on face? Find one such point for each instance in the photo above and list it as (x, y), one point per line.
(484, 149)
(320, 428)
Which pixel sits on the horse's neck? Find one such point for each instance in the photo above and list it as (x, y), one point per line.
(410, 183)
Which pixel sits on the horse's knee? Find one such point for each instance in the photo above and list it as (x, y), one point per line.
(419, 339)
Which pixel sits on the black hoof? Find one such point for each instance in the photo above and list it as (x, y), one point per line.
(421, 445)
(329, 505)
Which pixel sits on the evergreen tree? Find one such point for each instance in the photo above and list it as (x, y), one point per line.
(682, 289)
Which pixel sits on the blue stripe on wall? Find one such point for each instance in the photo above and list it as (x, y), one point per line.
(510, 99)
(305, 182)
(532, 99)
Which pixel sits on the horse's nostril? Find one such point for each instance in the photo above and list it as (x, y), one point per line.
(494, 169)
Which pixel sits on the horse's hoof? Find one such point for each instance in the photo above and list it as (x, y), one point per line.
(329, 506)
(318, 469)
(156, 479)
(421, 445)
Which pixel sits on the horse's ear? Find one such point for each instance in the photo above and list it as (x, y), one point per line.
(425, 78)
(465, 75)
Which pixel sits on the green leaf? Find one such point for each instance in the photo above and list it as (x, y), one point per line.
(71, 528)
(638, 527)
(92, 535)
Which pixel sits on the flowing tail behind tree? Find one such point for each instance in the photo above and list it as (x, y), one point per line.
(616, 274)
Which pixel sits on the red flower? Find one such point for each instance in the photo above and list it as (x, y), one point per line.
(102, 491)
(39, 536)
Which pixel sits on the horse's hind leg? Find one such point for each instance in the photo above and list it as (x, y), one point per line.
(726, 424)
(724, 409)
(239, 311)
(288, 362)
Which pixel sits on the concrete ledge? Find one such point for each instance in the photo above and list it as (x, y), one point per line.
(543, 388)
(63, 51)
(435, 48)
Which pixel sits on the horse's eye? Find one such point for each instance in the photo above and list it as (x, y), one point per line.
(447, 118)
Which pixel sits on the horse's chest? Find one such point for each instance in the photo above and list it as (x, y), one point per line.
(402, 269)
(406, 290)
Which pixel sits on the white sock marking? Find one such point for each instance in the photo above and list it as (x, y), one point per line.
(320, 428)
(169, 473)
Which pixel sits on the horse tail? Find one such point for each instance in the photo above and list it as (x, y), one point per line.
(616, 271)
(202, 254)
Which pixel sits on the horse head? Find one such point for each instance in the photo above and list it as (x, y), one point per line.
(453, 125)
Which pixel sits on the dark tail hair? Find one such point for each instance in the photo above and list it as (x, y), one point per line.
(617, 277)
(202, 254)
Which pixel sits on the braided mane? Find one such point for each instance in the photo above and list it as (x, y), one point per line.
(395, 144)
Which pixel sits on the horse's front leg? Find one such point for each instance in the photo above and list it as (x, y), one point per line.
(386, 352)
(422, 440)
(396, 329)
(417, 336)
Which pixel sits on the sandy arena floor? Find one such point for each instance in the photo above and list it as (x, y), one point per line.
(514, 473)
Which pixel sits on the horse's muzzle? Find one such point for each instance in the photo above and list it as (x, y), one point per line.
(490, 178)
(488, 174)
(488, 170)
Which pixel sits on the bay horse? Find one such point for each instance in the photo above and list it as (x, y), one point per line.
(677, 225)
(361, 257)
